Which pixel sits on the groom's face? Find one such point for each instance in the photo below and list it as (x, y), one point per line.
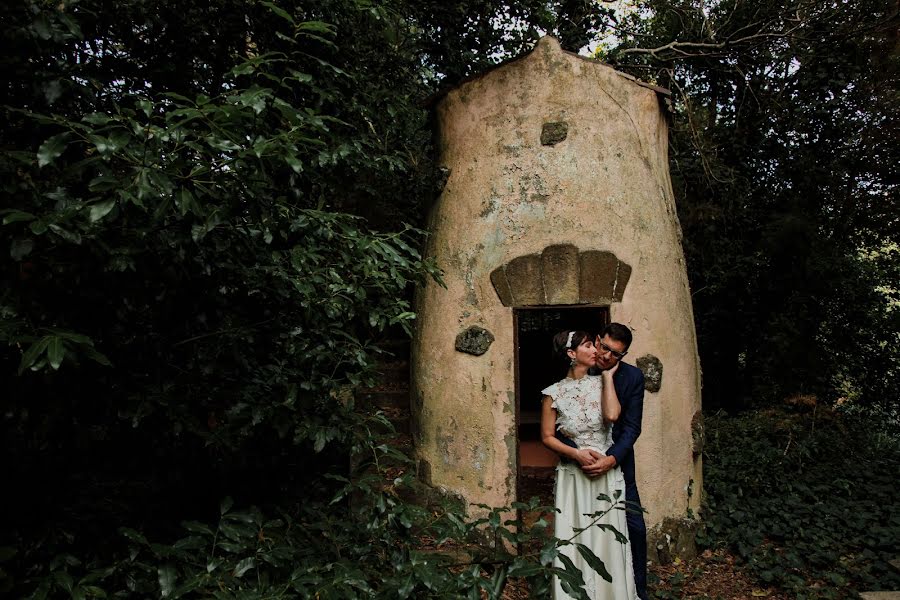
(609, 352)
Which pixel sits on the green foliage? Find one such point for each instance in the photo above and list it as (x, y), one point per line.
(373, 545)
(673, 589)
(189, 297)
(808, 502)
(195, 232)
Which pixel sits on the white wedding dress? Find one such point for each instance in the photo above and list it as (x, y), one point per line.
(579, 417)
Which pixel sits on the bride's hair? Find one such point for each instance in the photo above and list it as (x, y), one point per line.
(562, 343)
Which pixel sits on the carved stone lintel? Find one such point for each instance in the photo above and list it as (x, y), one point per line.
(525, 281)
(622, 276)
(560, 274)
(501, 286)
(597, 276)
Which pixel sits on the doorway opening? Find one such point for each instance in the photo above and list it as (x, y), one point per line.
(536, 368)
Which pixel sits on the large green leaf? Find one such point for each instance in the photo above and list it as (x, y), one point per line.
(55, 352)
(101, 209)
(15, 216)
(52, 148)
(278, 11)
(167, 577)
(64, 580)
(243, 566)
(34, 351)
(595, 563)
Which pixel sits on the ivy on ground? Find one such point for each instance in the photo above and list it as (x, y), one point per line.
(807, 499)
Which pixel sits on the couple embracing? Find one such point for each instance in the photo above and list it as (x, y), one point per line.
(592, 422)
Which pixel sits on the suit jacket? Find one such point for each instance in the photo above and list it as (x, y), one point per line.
(629, 384)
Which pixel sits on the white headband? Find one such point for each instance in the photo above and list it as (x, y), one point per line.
(569, 341)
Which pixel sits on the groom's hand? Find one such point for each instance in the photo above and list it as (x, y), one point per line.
(600, 466)
(587, 456)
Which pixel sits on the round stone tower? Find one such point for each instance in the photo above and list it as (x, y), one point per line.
(558, 205)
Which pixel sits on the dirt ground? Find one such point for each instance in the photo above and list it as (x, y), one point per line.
(712, 576)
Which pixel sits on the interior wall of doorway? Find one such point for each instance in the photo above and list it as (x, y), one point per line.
(536, 368)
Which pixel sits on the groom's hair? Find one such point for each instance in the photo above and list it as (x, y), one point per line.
(618, 332)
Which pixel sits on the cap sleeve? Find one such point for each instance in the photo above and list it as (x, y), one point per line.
(552, 391)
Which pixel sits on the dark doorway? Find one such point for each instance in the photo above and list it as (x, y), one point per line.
(535, 370)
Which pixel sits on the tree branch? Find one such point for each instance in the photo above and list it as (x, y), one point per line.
(681, 47)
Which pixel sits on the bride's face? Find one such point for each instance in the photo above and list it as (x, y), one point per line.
(585, 354)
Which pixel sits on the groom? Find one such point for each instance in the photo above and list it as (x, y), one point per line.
(612, 346)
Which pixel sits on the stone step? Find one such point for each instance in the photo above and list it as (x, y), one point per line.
(399, 418)
(402, 442)
(397, 348)
(395, 370)
(392, 381)
(384, 398)
(883, 595)
(392, 387)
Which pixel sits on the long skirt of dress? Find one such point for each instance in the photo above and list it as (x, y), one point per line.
(576, 498)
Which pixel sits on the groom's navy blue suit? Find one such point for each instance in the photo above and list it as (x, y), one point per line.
(629, 383)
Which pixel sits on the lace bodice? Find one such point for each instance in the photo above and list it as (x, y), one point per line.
(578, 413)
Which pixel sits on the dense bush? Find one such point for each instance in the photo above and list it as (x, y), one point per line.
(205, 221)
(807, 500)
(374, 543)
(188, 297)
(185, 304)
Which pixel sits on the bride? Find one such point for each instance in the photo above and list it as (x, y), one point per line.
(583, 408)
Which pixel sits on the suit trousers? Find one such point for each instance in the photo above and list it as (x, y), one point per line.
(637, 536)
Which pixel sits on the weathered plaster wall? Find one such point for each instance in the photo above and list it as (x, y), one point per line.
(605, 187)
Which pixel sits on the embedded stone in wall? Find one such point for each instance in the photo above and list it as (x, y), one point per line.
(671, 539)
(474, 340)
(698, 433)
(554, 133)
(652, 369)
(597, 275)
(525, 281)
(560, 273)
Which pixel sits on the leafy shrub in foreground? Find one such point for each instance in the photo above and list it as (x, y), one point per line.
(370, 542)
